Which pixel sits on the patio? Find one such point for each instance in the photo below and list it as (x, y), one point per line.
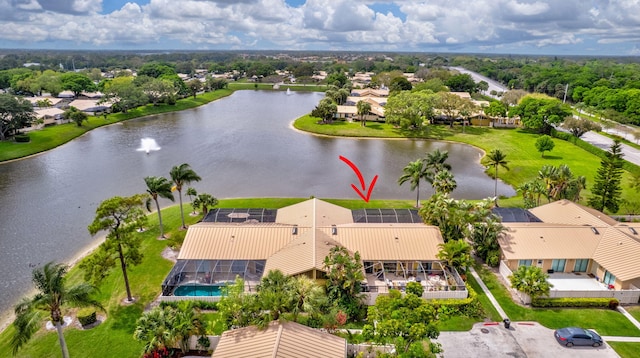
(564, 281)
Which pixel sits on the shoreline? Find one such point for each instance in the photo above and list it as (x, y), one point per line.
(6, 318)
(110, 124)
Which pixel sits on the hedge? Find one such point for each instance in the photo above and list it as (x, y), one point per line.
(543, 302)
(203, 305)
(469, 306)
(87, 316)
(22, 138)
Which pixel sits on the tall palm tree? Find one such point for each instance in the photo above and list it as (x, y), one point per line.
(436, 162)
(52, 295)
(496, 159)
(183, 174)
(413, 173)
(158, 187)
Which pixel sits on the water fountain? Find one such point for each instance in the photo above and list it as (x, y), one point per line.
(288, 91)
(147, 145)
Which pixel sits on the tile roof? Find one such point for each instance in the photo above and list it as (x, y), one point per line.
(569, 213)
(281, 340)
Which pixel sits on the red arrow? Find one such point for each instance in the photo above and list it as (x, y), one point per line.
(361, 178)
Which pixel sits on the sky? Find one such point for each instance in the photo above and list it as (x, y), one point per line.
(557, 27)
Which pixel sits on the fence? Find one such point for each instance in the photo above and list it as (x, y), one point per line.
(631, 296)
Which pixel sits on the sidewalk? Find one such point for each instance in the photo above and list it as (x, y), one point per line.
(493, 300)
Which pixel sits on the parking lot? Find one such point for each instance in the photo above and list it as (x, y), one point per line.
(522, 340)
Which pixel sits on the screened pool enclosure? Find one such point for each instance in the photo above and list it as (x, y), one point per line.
(215, 273)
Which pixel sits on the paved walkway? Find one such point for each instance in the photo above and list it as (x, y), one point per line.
(484, 287)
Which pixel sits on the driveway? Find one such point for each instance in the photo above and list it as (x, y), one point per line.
(522, 340)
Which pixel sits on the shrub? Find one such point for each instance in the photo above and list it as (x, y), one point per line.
(542, 302)
(87, 316)
(203, 305)
(22, 138)
(469, 307)
(614, 303)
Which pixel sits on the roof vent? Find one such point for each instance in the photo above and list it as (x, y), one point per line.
(334, 230)
(595, 231)
(633, 231)
(294, 230)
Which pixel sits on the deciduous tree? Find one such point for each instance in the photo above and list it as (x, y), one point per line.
(14, 114)
(119, 217)
(544, 144)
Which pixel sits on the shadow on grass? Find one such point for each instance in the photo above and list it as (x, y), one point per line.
(124, 317)
(552, 157)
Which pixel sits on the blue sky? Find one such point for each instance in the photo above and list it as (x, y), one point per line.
(568, 27)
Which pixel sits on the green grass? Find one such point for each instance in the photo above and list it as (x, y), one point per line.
(463, 323)
(53, 136)
(524, 161)
(626, 349)
(606, 322)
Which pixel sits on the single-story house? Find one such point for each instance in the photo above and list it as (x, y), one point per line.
(90, 106)
(573, 239)
(281, 340)
(394, 245)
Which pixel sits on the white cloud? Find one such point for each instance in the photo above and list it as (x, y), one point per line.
(490, 25)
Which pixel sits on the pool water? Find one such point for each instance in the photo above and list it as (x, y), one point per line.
(198, 290)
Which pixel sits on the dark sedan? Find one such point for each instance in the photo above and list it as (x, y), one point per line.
(574, 336)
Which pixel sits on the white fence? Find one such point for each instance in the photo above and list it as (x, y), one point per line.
(624, 296)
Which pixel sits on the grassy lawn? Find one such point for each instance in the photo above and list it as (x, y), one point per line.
(461, 323)
(606, 322)
(518, 145)
(114, 337)
(53, 136)
(626, 349)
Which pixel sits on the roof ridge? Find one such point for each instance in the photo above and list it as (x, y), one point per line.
(277, 342)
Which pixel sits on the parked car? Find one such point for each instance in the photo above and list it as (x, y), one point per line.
(574, 336)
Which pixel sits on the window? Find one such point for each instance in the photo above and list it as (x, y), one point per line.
(581, 265)
(524, 263)
(558, 265)
(609, 279)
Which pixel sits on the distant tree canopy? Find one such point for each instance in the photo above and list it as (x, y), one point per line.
(461, 83)
(540, 112)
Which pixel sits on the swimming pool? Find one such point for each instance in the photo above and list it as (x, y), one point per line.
(198, 290)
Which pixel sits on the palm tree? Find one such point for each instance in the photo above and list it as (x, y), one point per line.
(205, 201)
(456, 253)
(363, 109)
(158, 187)
(496, 159)
(52, 295)
(436, 162)
(531, 280)
(183, 174)
(443, 182)
(413, 172)
(191, 192)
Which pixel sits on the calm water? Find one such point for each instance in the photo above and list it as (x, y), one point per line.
(242, 146)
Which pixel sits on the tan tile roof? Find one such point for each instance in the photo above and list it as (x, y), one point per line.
(389, 241)
(48, 112)
(235, 241)
(282, 340)
(314, 212)
(548, 241)
(302, 254)
(618, 253)
(569, 213)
